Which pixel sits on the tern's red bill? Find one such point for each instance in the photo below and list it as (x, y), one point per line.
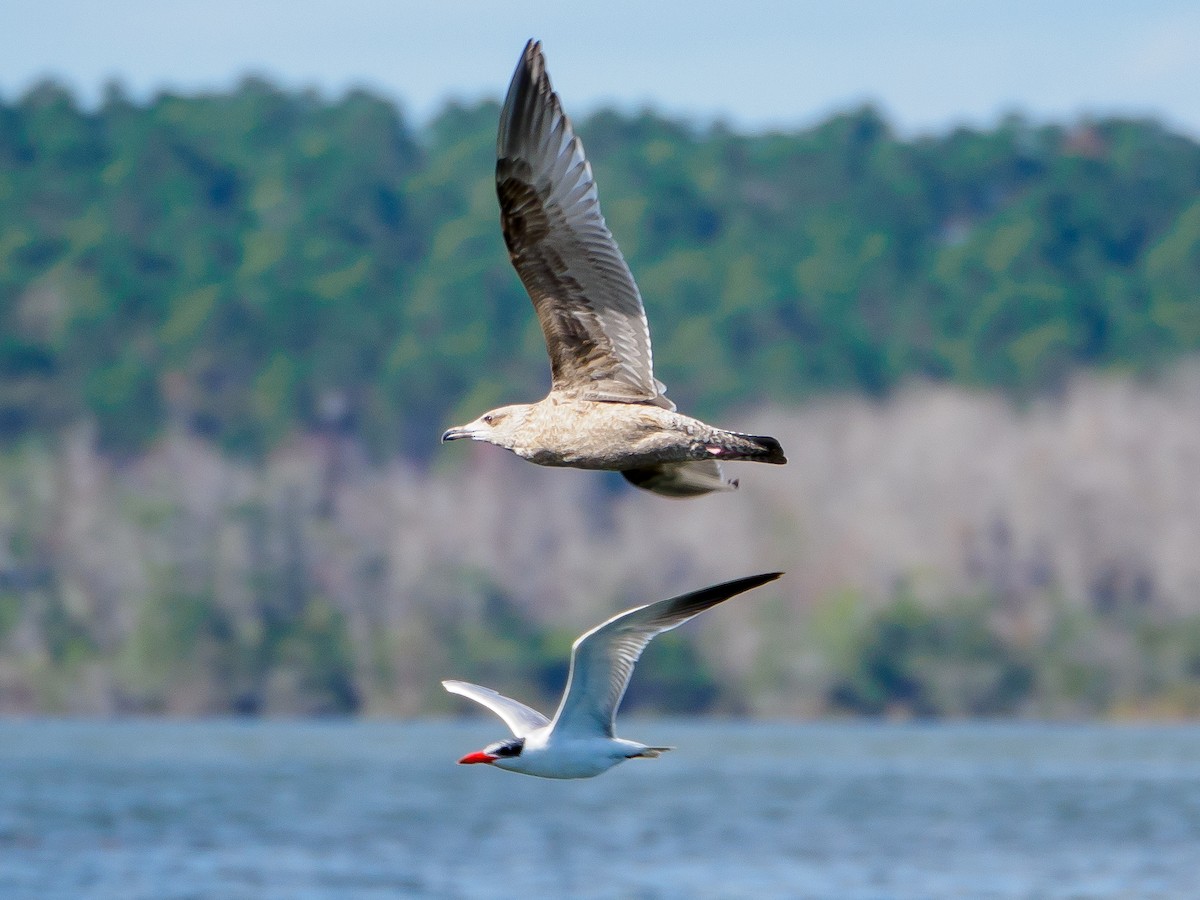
(477, 757)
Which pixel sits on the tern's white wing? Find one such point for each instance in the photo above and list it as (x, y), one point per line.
(603, 659)
(585, 297)
(516, 715)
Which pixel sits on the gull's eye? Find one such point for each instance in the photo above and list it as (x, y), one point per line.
(489, 419)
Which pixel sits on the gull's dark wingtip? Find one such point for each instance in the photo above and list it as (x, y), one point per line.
(527, 79)
(532, 58)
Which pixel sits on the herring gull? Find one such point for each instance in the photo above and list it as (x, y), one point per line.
(605, 409)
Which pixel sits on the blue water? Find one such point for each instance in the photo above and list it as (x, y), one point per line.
(348, 810)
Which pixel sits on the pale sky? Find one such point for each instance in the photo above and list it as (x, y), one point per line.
(929, 64)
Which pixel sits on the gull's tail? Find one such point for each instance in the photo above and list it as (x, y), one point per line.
(755, 447)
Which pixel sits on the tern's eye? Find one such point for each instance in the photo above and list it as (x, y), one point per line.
(489, 419)
(511, 747)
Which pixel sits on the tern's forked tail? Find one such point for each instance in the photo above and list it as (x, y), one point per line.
(650, 753)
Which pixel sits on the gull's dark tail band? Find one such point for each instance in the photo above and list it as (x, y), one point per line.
(756, 447)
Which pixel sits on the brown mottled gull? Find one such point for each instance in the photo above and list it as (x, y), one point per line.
(605, 409)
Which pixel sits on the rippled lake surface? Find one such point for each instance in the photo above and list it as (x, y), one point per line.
(349, 809)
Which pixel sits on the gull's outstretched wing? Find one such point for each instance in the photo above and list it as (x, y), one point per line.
(603, 659)
(516, 715)
(585, 297)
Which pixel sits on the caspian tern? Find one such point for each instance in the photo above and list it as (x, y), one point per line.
(605, 409)
(580, 742)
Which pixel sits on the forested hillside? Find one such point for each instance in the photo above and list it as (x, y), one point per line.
(253, 264)
(232, 328)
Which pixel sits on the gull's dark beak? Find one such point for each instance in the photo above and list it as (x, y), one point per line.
(453, 434)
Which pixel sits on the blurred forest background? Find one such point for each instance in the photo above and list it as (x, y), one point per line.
(233, 326)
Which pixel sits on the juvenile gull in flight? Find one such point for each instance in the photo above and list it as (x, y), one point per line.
(580, 742)
(605, 409)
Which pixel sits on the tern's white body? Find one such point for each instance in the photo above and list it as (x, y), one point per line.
(571, 756)
(580, 741)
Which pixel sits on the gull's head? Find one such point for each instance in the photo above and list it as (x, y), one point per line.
(499, 427)
(498, 753)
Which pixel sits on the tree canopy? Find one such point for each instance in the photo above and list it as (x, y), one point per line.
(258, 262)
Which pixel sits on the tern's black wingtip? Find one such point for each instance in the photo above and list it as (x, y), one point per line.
(752, 581)
(747, 583)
